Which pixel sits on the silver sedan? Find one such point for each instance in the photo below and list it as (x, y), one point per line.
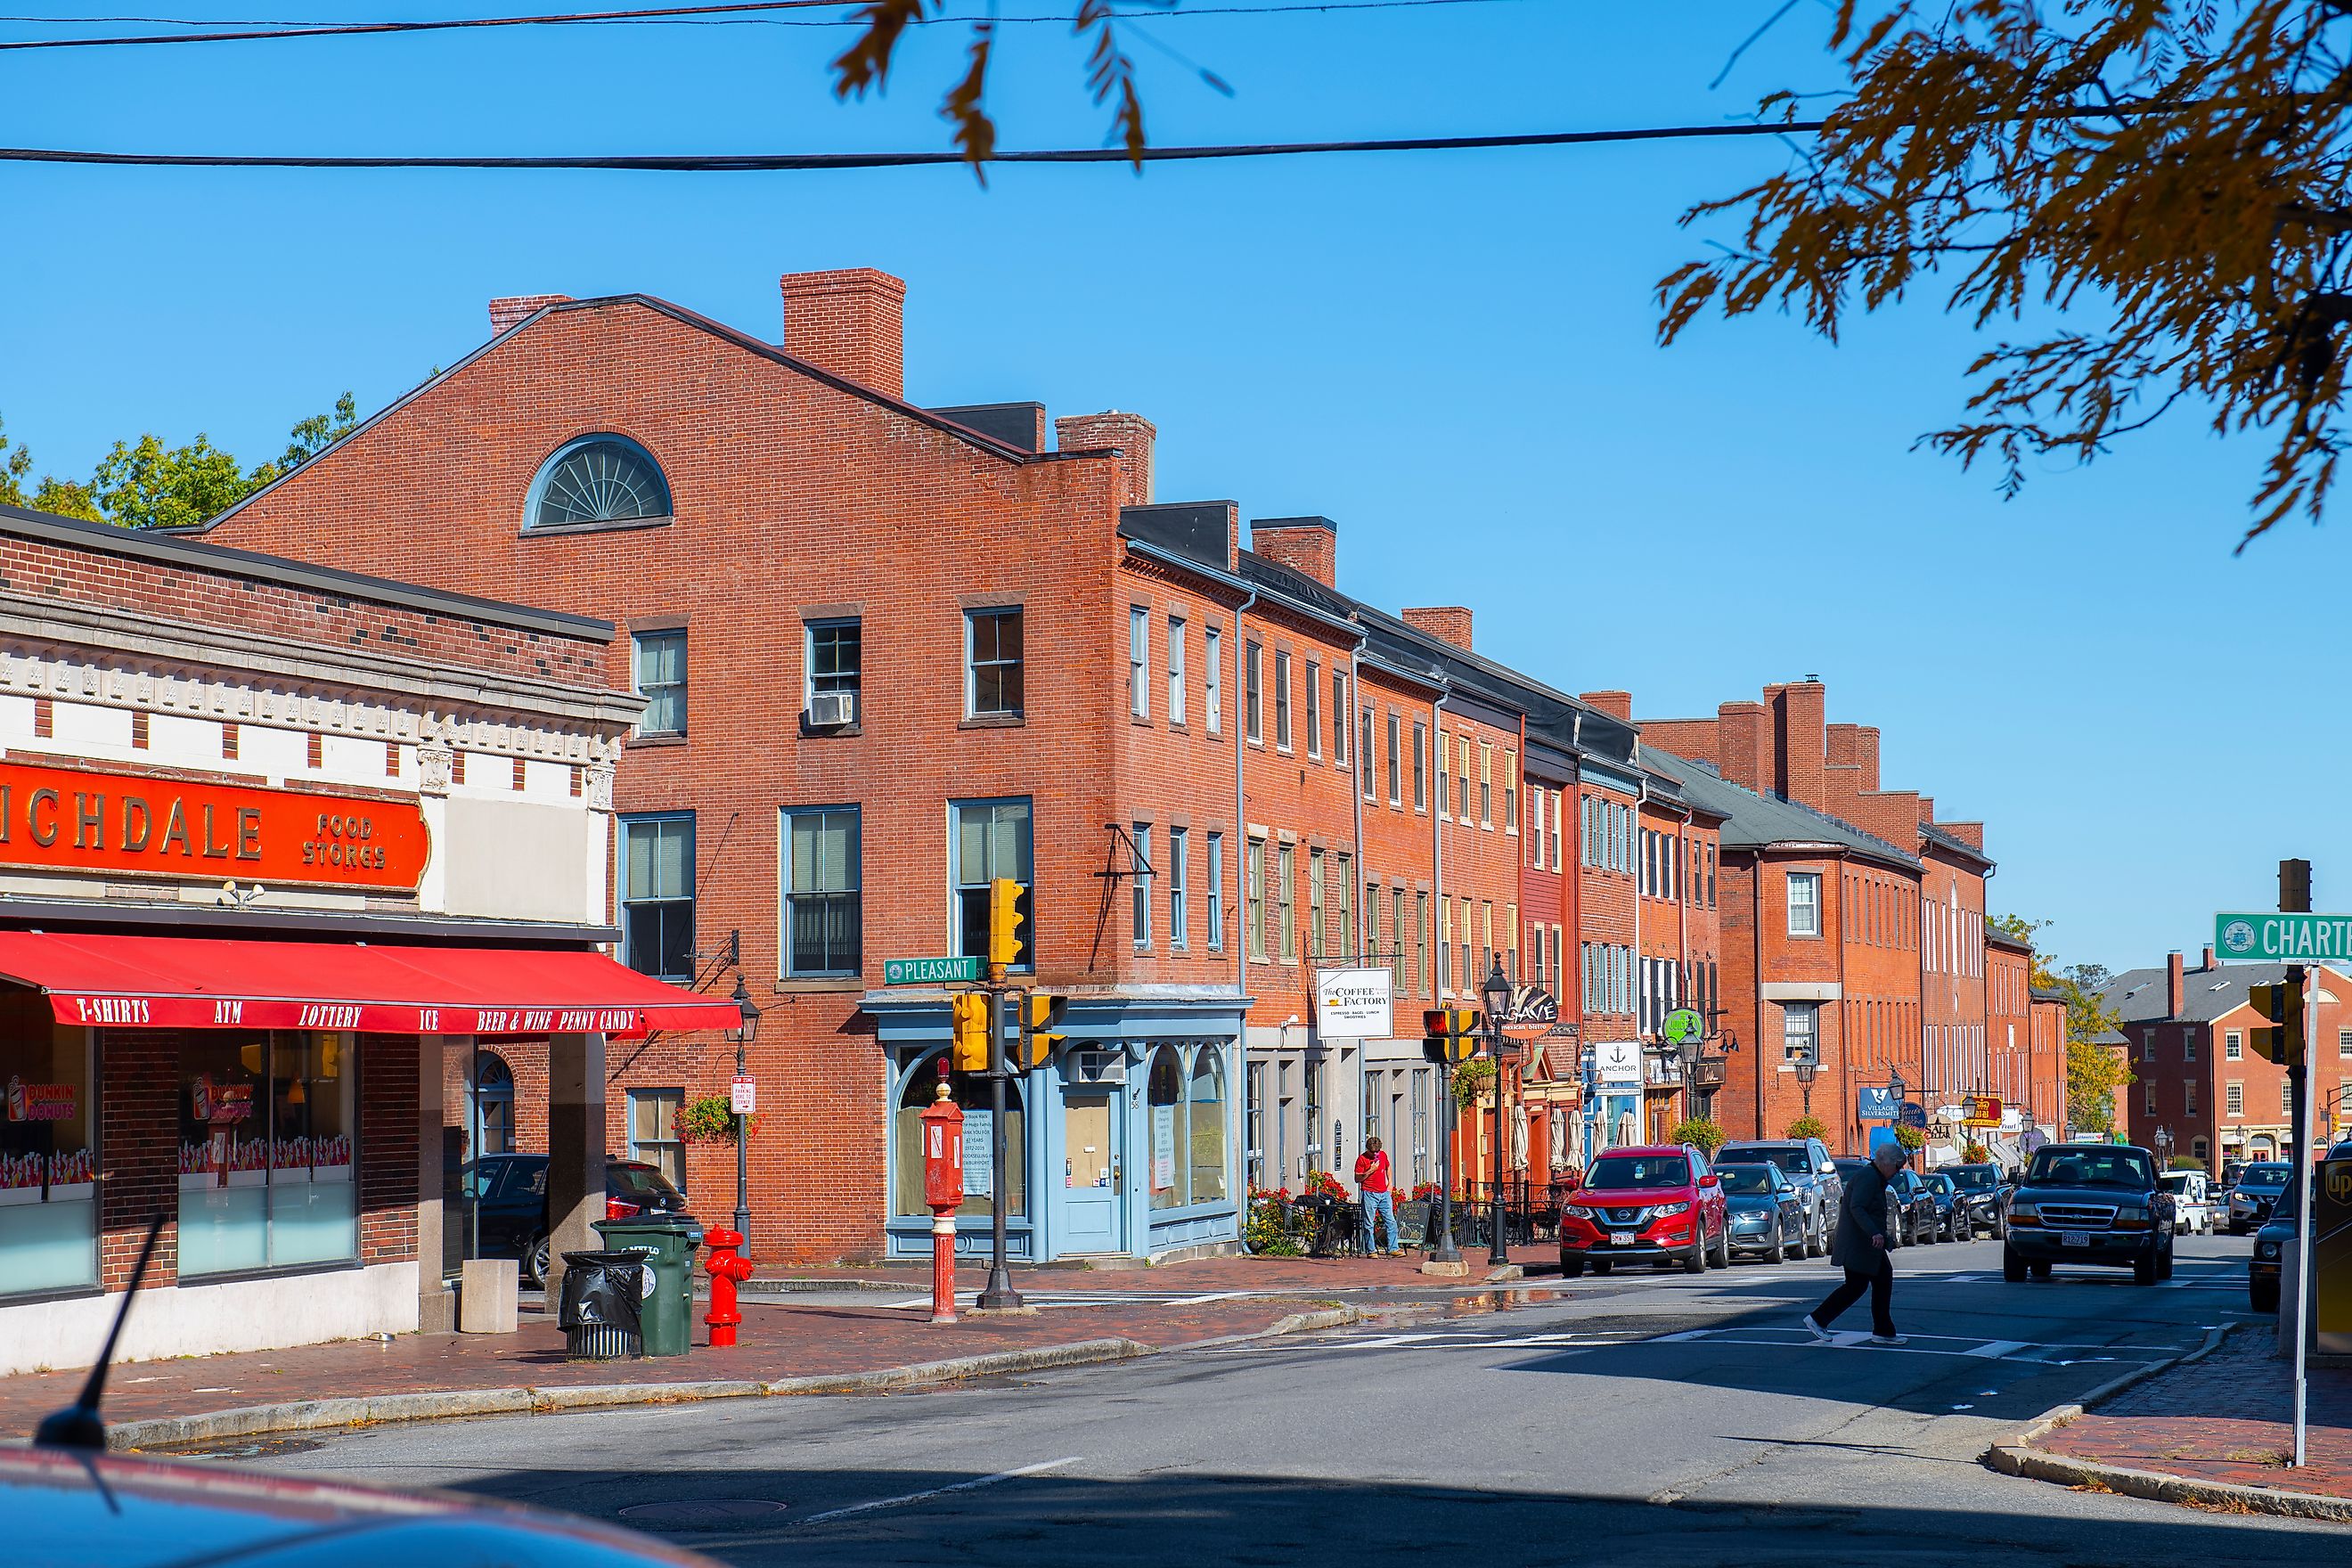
(1766, 1211)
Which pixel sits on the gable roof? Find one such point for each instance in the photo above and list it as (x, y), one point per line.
(980, 440)
(1753, 821)
(1933, 837)
(2138, 995)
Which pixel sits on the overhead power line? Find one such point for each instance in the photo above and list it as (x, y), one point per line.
(246, 31)
(786, 163)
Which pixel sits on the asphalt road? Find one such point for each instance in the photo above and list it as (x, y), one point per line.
(1650, 1418)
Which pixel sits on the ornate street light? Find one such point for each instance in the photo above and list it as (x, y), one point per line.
(1807, 1070)
(2164, 1148)
(743, 1037)
(1498, 993)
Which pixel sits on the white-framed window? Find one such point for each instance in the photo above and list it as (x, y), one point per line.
(1364, 751)
(1138, 661)
(2190, 1088)
(1216, 892)
(653, 1131)
(1339, 717)
(1804, 903)
(1281, 700)
(2344, 1042)
(1314, 903)
(1485, 783)
(2188, 1045)
(1286, 912)
(1510, 790)
(993, 663)
(1801, 1032)
(1253, 693)
(1420, 766)
(1175, 669)
(1314, 686)
(657, 670)
(1212, 656)
(987, 839)
(1445, 794)
(832, 660)
(824, 913)
(1253, 899)
(1180, 845)
(1396, 763)
(657, 894)
(2234, 1096)
(1142, 877)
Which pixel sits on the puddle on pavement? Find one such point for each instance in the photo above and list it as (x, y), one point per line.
(703, 1516)
(235, 1448)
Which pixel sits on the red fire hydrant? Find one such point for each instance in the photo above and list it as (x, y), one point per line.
(943, 1194)
(726, 1265)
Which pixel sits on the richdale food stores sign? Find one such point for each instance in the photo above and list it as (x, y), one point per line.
(74, 819)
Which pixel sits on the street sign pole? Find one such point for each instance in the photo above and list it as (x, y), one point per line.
(998, 1295)
(2294, 898)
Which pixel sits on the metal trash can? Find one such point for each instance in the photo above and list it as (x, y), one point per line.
(665, 1244)
(601, 1312)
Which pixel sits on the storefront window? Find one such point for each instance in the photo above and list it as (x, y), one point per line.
(906, 1146)
(48, 1150)
(1164, 1104)
(266, 1151)
(1208, 1129)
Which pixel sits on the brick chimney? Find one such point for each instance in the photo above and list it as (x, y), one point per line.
(505, 312)
(1865, 754)
(1616, 704)
(1305, 544)
(2208, 965)
(1447, 623)
(1130, 434)
(2175, 994)
(1800, 742)
(851, 322)
(1741, 753)
(1968, 833)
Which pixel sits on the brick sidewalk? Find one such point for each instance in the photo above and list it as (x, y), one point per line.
(2226, 1418)
(781, 1340)
(1194, 1276)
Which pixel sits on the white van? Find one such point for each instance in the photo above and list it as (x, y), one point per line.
(2193, 1201)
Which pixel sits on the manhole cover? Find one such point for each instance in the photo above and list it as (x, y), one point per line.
(704, 1513)
(235, 1448)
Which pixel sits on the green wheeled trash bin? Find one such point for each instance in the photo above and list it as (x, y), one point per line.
(668, 1243)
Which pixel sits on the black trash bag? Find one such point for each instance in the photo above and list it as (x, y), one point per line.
(602, 1290)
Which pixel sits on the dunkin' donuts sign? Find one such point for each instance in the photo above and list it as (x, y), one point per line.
(70, 819)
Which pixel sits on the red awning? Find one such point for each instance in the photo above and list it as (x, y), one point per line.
(222, 982)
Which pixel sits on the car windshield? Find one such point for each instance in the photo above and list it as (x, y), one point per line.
(1613, 1171)
(1792, 1161)
(2263, 1176)
(1941, 1182)
(1976, 1178)
(1746, 1179)
(641, 1182)
(2115, 1166)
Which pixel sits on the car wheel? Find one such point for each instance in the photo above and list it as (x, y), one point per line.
(2013, 1265)
(1695, 1261)
(1780, 1253)
(537, 1257)
(1570, 1268)
(2263, 1298)
(1723, 1246)
(1600, 1265)
(2236, 1228)
(1817, 1236)
(2144, 1269)
(2164, 1263)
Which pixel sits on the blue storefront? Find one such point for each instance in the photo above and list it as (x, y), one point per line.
(1128, 1144)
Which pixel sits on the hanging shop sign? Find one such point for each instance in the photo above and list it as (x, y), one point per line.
(1532, 1014)
(1617, 1063)
(80, 819)
(1353, 1004)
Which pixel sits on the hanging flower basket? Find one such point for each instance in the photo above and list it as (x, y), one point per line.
(710, 1120)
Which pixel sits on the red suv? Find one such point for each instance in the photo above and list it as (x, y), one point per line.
(1657, 1204)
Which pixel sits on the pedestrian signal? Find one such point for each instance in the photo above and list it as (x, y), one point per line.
(1452, 1033)
(970, 1013)
(1039, 1016)
(1005, 919)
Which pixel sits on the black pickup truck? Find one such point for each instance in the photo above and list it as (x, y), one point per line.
(2089, 1202)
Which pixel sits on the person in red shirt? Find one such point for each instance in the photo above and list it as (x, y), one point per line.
(1373, 1181)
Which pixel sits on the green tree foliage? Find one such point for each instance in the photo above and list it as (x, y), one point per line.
(1700, 1132)
(2095, 1073)
(146, 484)
(2157, 192)
(1808, 1126)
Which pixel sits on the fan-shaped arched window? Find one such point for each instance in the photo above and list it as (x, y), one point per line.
(493, 1091)
(597, 478)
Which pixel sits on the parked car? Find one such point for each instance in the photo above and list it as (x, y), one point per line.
(1983, 1189)
(1915, 1207)
(1768, 1211)
(1655, 1205)
(2192, 1204)
(2089, 1202)
(509, 1191)
(2271, 1242)
(2231, 1171)
(1807, 1163)
(1951, 1210)
(1851, 1169)
(2256, 1193)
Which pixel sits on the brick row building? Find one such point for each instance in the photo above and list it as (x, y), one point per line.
(890, 652)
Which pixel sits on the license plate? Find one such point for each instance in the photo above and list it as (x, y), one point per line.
(1622, 1238)
(2074, 1238)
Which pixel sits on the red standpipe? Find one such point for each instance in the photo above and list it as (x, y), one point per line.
(727, 1267)
(943, 1194)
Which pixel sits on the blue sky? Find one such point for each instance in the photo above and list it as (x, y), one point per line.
(1452, 355)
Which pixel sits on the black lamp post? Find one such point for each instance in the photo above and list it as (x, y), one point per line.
(744, 1038)
(1498, 991)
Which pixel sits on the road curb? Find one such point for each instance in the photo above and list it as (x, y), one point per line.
(2016, 1457)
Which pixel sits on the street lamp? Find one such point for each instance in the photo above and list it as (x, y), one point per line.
(1498, 991)
(2164, 1148)
(1807, 1070)
(743, 1037)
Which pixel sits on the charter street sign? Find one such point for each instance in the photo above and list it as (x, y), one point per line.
(2282, 938)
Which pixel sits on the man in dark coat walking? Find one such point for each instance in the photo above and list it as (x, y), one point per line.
(1860, 1249)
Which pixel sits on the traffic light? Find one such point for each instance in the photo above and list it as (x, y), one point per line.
(1452, 1033)
(1004, 922)
(971, 1049)
(2282, 1041)
(1039, 1015)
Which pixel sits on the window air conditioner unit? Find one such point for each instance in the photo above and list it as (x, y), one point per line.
(1095, 1067)
(830, 709)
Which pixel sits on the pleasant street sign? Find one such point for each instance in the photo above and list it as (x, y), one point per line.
(2282, 938)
